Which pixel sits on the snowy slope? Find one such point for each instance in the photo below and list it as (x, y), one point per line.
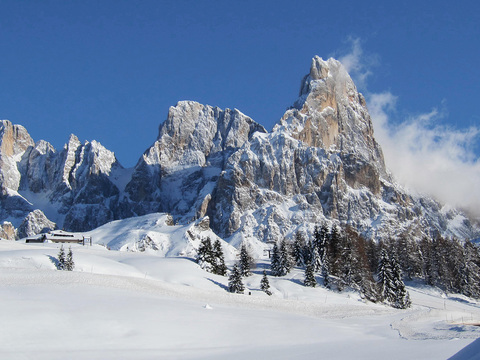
(132, 305)
(156, 234)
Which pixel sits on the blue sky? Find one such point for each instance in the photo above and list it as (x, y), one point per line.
(109, 70)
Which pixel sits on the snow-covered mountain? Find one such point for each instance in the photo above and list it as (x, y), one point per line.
(319, 163)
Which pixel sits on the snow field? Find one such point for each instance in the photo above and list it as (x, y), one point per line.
(125, 305)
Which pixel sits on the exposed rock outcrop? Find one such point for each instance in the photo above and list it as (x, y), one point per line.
(35, 223)
(7, 231)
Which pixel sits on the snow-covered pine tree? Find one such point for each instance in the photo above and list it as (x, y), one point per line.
(265, 284)
(402, 297)
(219, 267)
(392, 287)
(315, 257)
(61, 259)
(235, 284)
(323, 240)
(246, 261)
(386, 278)
(310, 280)
(69, 263)
(275, 261)
(286, 260)
(205, 255)
(299, 249)
(325, 274)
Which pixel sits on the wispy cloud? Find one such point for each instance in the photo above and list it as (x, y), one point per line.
(358, 64)
(422, 152)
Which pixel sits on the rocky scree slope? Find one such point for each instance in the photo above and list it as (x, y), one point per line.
(319, 163)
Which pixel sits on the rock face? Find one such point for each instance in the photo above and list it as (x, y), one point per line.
(319, 163)
(7, 231)
(74, 186)
(179, 171)
(35, 223)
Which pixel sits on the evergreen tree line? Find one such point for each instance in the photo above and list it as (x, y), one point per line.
(377, 270)
(342, 260)
(448, 264)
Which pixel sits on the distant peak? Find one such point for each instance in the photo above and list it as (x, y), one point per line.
(319, 68)
(73, 141)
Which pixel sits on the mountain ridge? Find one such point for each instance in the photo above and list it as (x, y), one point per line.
(319, 163)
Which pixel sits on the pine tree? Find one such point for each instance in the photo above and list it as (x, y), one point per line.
(69, 263)
(264, 284)
(315, 257)
(235, 284)
(205, 255)
(61, 259)
(392, 287)
(325, 274)
(299, 249)
(275, 262)
(323, 241)
(310, 276)
(402, 297)
(286, 260)
(219, 267)
(246, 261)
(386, 278)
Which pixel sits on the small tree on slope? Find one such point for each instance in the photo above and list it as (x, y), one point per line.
(275, 262)
(205, 255)
(310, 276)
(235, 284)
(325, 274)
(69, 263)
(286, 259)
(61, 259)
(299, 249)
(219, 266)
(264, 284)
(246, 261)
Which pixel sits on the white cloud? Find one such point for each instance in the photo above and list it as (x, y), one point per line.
(358, 64)
(428, 157)
(422, 153)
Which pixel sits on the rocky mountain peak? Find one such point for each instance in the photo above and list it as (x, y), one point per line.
(331, 112)
(194, 134)
(14, 139)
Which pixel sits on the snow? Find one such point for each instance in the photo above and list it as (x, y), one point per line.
(138, 305)
(153, 234)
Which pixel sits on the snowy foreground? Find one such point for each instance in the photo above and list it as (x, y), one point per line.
(130, 305)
